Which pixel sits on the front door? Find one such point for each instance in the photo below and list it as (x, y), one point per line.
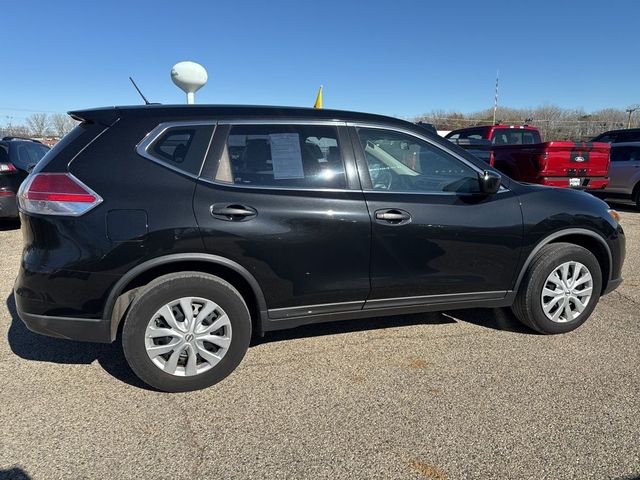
(434, 235)
(283, 201)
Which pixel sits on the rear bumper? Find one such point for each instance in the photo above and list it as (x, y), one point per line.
(8, 206)
(82, 329)
(587, 183)
(63, 303)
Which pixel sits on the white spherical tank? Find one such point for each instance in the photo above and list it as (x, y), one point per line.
(189, 77)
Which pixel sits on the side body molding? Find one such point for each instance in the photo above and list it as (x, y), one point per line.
(558, 235)
(119, 287)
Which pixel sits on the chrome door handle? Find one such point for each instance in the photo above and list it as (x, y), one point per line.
(393, 216)
(232, 212)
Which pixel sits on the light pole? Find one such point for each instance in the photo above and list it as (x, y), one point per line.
(630, 111)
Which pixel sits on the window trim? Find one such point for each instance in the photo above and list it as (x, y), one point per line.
(356, 151)
(143, 147)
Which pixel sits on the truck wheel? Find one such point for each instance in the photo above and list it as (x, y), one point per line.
(186, 331)
(559, 290)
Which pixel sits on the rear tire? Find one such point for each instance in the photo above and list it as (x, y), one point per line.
(546, 272)
(636, 197)
(200, 348)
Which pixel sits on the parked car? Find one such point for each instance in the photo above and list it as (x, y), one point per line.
(17, 157)
(624, 172)
(142, 221)
(619, 136)
(518, 151)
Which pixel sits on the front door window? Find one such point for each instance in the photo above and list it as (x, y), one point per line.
(403, 163)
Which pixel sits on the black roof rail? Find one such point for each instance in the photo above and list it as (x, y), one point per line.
(8, 139)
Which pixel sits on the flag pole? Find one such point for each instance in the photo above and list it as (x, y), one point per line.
(495, 101)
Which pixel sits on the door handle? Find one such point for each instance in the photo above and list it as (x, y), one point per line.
(232, 212)
(393, 216)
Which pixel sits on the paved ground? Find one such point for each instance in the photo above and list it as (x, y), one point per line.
(466, 394)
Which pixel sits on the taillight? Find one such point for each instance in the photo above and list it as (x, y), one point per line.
(7, 167)
(542, 161)
(56, 194)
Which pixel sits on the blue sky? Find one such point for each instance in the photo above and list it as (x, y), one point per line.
(395, 57)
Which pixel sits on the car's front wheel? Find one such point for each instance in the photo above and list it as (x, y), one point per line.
(186, 331)
(560, 289)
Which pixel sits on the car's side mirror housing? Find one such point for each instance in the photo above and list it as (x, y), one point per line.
(489, 182)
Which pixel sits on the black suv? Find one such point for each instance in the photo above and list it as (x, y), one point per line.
(188, 228)
(18, 156)
(619, 136)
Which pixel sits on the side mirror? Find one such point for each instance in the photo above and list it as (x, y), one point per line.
(489, 182)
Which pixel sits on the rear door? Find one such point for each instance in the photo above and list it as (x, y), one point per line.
(435, 238)
(283, 200)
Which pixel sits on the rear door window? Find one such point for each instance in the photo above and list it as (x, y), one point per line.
(292, 156)
(182, 147)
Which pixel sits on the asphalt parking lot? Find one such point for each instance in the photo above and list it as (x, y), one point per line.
(465, 394)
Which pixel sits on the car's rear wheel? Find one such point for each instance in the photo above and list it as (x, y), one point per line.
(560, 289)
(636, 196)
(186, 331)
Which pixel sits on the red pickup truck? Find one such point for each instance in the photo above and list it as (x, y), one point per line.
(519, 152)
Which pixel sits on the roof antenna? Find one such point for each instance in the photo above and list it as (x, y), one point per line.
(146, 102)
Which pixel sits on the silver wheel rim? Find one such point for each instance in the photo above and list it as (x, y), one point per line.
(567, 292)
(188, 336)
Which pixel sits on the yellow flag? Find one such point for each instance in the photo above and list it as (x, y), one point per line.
(318, 103)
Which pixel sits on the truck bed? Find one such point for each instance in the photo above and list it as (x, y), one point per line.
(582, 165)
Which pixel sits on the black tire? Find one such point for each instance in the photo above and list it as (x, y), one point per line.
(166, 289)
(528, 304)
(636, 197)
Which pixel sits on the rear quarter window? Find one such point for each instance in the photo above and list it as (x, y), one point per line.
(181, 147)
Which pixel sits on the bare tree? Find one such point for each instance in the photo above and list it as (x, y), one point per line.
(62, 124)
(554, 122)
(38, 124)
(15, 131)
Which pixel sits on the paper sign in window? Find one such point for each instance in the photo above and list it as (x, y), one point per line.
(286, 155)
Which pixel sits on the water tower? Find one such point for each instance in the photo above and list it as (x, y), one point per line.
(189, 77)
